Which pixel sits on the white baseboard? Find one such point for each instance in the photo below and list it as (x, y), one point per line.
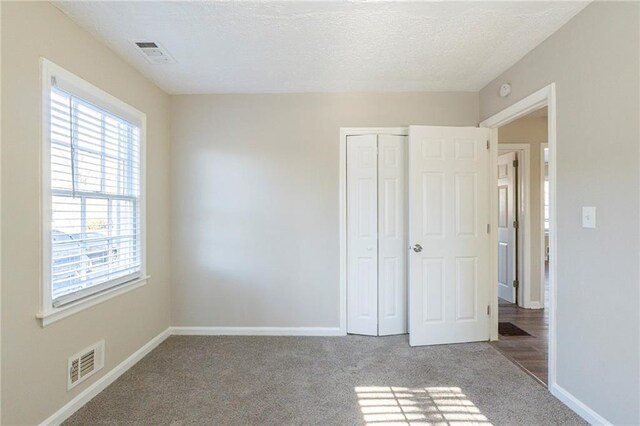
(535, 305)
(86, 395)
(578, 406)
(257, 331)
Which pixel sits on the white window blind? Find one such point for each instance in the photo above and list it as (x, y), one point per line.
(95, 198)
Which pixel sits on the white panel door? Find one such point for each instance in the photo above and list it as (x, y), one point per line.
(362, 235)
(449, 279)
(506, 230)
(392, 241)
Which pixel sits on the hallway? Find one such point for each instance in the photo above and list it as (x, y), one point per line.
(528, 352)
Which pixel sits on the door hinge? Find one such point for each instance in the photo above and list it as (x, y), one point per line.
(487, 143)
(516, 283)
(515, 163)
(488, 309)
(488, 228)
(516, 224)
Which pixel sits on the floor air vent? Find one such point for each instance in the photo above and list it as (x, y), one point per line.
(85, 363)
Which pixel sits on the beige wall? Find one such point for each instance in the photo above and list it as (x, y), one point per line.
(255, 200)
(531, 131)
(255, 204)
(34, 359)
(595, 62)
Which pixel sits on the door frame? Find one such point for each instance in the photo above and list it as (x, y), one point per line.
(543, 253)
(342, 191)
(537, 100)
(524, 243)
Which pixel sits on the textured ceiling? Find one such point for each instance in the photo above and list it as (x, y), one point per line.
(326, 46)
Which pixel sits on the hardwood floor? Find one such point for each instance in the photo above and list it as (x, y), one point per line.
(528, 352)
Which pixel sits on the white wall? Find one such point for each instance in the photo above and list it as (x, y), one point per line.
(255, 200)
(595, 61)
(531, 131)
(34, 359)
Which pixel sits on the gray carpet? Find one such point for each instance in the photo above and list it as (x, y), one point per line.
(323, 381)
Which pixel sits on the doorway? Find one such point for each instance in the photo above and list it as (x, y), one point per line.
(524, 328)
(515, 169)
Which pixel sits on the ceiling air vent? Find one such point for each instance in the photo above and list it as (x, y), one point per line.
(85, 363)
(154, 53)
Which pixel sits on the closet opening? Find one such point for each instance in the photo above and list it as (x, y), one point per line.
(375, 226)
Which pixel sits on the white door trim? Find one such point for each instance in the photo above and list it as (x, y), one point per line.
(342, 191)
(524, 175)
(543, 253)
(543, 97)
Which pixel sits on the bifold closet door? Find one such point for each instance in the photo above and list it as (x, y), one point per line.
(362, 235)
(376, 235)
(392, 242)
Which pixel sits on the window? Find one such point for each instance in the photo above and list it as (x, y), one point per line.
(93, 197)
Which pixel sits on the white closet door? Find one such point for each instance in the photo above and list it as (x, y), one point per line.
(362, 235)
(392, 242)
(448, 215)
(506, 229)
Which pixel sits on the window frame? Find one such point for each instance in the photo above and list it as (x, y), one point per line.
(90, 93)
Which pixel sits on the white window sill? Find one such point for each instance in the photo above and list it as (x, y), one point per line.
(56, 314)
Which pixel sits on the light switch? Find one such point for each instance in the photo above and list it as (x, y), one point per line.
(588, 217)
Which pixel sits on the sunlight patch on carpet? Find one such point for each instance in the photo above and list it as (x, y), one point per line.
(394, 405)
